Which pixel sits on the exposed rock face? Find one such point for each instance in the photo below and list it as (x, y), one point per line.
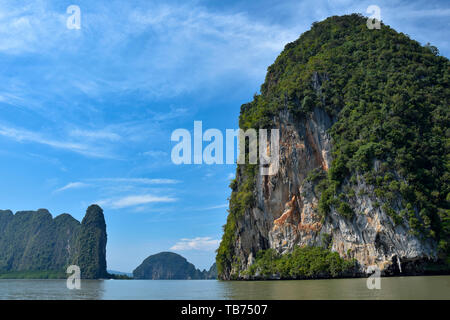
(286, 214)
(34, 241)
(170, 266)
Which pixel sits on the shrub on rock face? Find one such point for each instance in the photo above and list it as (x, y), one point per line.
(303, 262)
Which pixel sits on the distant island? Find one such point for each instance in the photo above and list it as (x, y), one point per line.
(171, 266)
(34, 245)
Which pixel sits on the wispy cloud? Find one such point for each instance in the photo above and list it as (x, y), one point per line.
(72, 185)
(199, 243)
(29, 27)
(100, 134)
(137, 180)
(22, 135)
(173, 60)
(131, 201)
(116, 187)
(221, 206)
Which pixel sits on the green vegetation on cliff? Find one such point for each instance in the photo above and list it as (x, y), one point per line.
(242, 197)
(34, 245)
(35, 241)
(306, 262)
(91, 245)
(389, 99)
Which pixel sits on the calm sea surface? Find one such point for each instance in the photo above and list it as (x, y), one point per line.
(433, 287)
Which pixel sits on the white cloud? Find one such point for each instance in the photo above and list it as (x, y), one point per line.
(233, 40)
(72, 185)
(138, 180)
(221, 206)
(199, 243)
(173, 113)
(188, 46)
(32, 27)
(22, 135)
(95, 134)
(131, 201)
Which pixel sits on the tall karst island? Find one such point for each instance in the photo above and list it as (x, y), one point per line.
(35, 245)
(363, 181)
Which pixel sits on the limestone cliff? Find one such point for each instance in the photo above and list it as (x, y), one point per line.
(324, 189)
(91, 245)
(286, 214)
(33, 244)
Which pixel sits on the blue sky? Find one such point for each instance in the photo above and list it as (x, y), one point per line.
(86, 115)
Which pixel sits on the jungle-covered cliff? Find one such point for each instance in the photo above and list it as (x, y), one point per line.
(364, 160)
(35, 245)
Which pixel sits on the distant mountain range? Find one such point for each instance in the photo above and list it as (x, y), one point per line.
(171, 266)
